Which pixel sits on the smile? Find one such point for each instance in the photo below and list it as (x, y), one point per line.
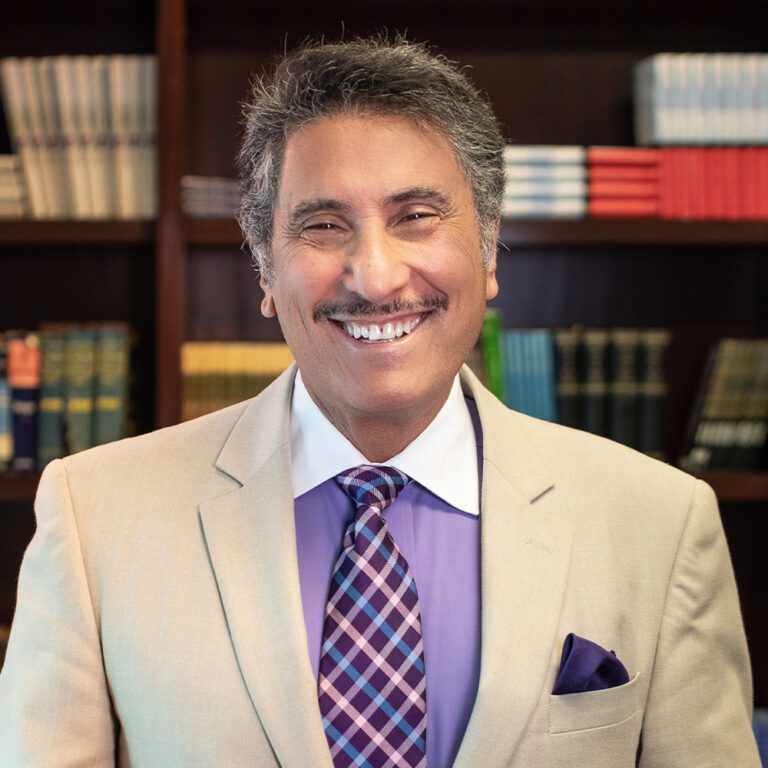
(380, 332)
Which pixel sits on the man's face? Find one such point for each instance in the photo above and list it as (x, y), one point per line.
(379, 283)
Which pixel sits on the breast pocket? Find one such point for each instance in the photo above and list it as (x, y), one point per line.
(593, 709)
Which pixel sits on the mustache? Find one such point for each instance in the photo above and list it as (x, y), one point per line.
(350, 309)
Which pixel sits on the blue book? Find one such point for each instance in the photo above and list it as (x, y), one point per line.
(512, 370)
(24, 383)
(760, 726)
(6, 435)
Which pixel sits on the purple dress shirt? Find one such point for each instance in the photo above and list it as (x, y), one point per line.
(442, 546)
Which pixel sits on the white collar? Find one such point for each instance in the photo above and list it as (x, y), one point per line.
(443, 458)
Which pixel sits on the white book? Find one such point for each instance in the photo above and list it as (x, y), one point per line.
(16, 80)
(694, 64)
(562, 208)
(61, 196)
(120, 68)
(674, 99)
(761, 100)
(148, 192)
(92, 78)
(546, 188)
(543, 172)
(731, 74)
(532, 153)
(712, 114)
(642, 74)
(71, 117)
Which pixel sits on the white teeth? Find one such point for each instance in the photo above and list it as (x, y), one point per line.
(386, 332)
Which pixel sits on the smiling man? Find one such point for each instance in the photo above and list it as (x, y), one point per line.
(374, 563)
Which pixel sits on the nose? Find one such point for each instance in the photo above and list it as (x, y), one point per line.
(377, 268)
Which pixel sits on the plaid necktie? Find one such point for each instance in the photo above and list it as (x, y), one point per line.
(372, 688)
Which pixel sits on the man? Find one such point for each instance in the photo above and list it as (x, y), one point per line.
(374, 562)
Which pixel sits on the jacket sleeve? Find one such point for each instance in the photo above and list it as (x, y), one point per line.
(55, 708)
(699, 706)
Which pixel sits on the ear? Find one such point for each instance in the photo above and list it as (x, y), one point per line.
(268, 308)
(491, 284)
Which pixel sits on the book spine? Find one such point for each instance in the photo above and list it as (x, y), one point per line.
(593, 377)
(24, 385)
(79, 367)
(566, 349)
(492, 356)
(623, 385)
(51, 421)
(652, 391)
(6, 431)
(112, 355)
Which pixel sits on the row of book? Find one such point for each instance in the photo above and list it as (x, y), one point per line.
(545, 181)
(701, 98)
(607, 381)
(85, 131)
(692, 183)
(209, 197)
(216, 374)
(729, 419)
(725, 183)
(62, 389)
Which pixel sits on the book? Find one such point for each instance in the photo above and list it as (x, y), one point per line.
(651, 390)
(50, 433)
(112, 351)
(79, 374)
(623, 385)
(567, 341)
(6, 429)
(563, 207)
(728, 423)
(531, 154)
(593, 380)
(490, 340)
(24, 383)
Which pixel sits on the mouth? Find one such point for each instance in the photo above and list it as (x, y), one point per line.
(378, 333)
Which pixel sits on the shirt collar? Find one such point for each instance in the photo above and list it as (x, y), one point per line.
(443, 458)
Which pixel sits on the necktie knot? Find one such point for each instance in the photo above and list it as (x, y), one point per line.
(372, 486)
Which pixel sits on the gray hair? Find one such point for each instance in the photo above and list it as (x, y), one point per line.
(365, 76)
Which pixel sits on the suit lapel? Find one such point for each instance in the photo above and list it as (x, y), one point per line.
(525, 559)
(251, 541)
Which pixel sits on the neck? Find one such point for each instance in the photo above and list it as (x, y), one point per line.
(380, 436)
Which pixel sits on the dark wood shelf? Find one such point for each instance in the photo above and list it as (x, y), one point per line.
(558, 232)
(730, 487)
(738, 487)
(36, 232)
(18, 486)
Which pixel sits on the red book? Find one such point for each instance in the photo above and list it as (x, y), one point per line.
(715, 183)
(666, 183)
(623, 188)
(750, 183)
(761, 165)
(629, 207)
(731, 183)
(626, 172)
(697, 183)
(684, 207)
(622, 156)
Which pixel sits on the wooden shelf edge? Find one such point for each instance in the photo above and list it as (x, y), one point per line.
(18, 486)
(556, 232)
(33, 232)
(738, 487)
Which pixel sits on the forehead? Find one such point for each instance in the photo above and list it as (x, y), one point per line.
(350, 155)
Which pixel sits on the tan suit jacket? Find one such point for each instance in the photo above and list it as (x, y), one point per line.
(160, 622)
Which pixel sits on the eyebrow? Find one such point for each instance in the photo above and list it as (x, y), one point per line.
(309, 207)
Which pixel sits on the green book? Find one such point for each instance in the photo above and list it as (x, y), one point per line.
(79, 370)
(112, 355)
(490, 341)
(50, 423)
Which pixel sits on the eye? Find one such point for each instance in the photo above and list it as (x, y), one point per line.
(419, 216)
(321, 226)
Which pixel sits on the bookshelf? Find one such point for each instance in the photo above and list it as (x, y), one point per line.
(556, 73)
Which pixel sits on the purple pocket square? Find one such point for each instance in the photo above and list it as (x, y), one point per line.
(585, 666)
